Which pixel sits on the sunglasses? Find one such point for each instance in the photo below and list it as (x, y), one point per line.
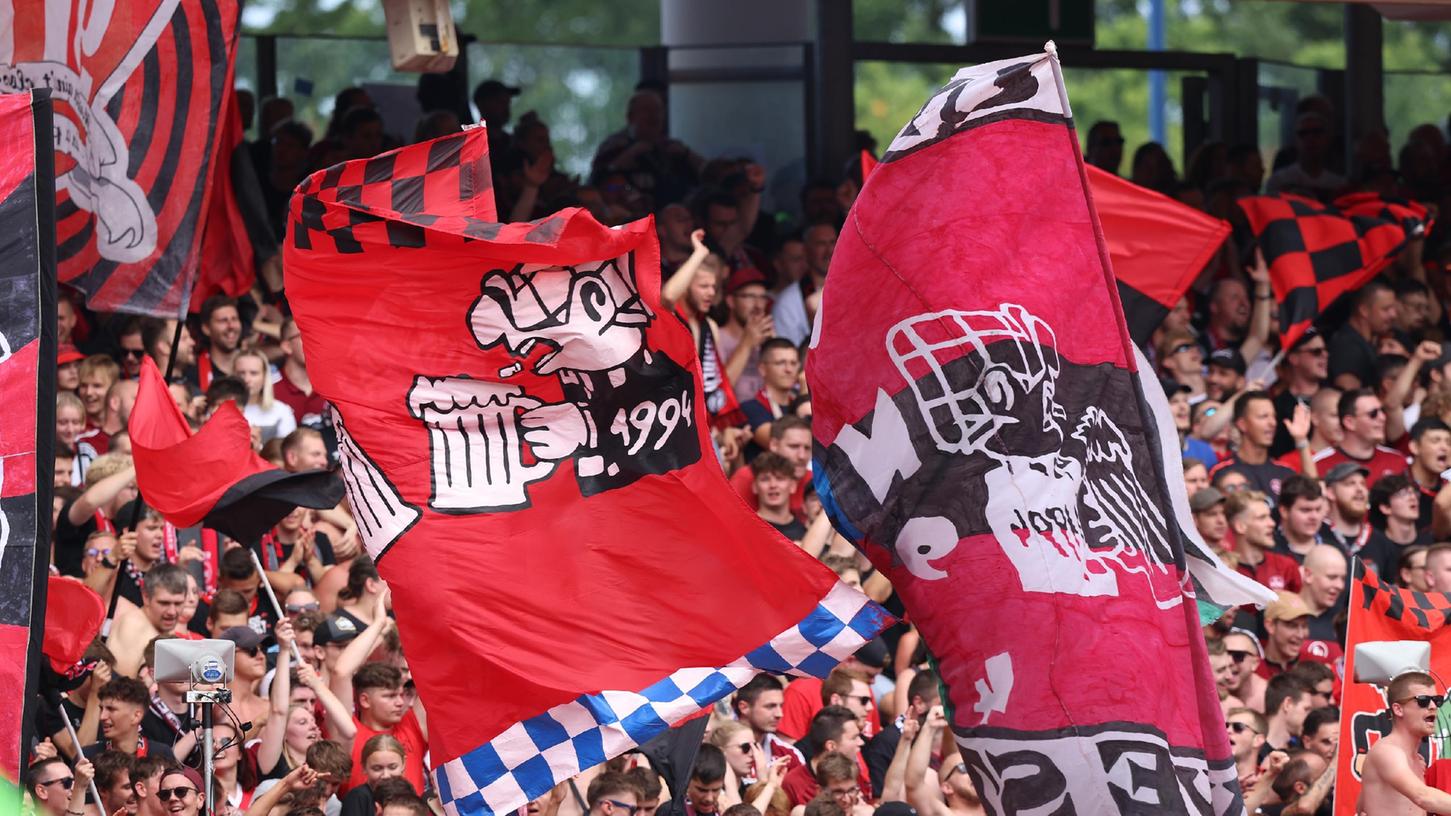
(296, 609)
(66, 782)
(1240, 728)
(166, 793)
(137, 353)
(629, 809)
(1373, 413)
(1238, 656)
(1181, 348)
(745, 747)
(1315, 352)
(960, 767)
(252, 652)
(1426, 700)
(865, 700)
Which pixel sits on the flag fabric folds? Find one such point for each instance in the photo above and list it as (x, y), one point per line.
(982, 436)
(1379, 611)
(213, 477)
(526, 452)
(139, 87)
(1316, 252)
(1158, 246)
(27, 390)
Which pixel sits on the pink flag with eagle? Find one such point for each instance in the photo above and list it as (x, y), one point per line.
(983, 436)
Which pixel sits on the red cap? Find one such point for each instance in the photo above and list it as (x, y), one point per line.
(744, 276)
(68, 354)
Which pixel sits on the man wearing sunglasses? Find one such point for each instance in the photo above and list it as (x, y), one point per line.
(181, 792)
(1246, 728)
(55, 789)
(1363, 434)
(1393, 776)
(613, 794)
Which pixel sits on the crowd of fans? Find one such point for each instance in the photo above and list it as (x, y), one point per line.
(1297, 465)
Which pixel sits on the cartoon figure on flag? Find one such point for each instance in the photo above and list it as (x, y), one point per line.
(1041, 478)
(627, 410)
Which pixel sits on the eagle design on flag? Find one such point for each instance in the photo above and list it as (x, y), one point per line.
(1040, 480)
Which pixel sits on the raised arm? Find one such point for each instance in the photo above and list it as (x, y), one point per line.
(340, 725)
(894, 782)
(356, 653)
(280, 698)
(301, 778)
(100, 494)
(1258, 335)
(679, 283)
(926, 798)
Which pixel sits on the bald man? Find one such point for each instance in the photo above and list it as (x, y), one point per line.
(1438, 567)
(119, 401)
(1322, 579)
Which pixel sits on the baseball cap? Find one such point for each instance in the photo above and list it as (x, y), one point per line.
(745, 276)
(245, 637)
(1310, 334)
(334, 630)
(895, 809)
(493, 87)
(1204, 499)
(1344, 470)
(1287, 606)
(1228, 358)
(873, 653)
(68, 354)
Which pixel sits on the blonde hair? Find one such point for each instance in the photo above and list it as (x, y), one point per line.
(99, 364)
(107, 464)
(67, 399)
(265, 398)
(724, 734)
(382, 742)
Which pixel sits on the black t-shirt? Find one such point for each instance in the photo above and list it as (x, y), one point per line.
(156, 728)
(1266, 477)
(1352, 354)
(1322, 626)
(48, 722)
(70, 541)
(878, 753)
(1384, 554)
(792, 529)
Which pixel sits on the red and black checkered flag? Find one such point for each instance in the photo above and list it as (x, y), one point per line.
(1412, 215)
(1317, 253)
(444, 184)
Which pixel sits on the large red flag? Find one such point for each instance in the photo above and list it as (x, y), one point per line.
(139, 88)
(213, 477)
(27, 400)
(1158, 247)
(527, 456)
(982, 436)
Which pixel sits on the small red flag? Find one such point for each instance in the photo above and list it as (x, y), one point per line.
(213, 476)
(1157, 246)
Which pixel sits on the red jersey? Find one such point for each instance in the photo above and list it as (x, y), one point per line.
(1277, 571)
(408, 732)
(1384, 462)
(308, 408)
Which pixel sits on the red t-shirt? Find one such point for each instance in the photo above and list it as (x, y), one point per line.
(1277, 571)
(408, 732)
(801, 702)
(1384, 462)
(800, 785)
(743, 479)
(306, 407)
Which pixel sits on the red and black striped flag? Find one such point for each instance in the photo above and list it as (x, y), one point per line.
(138, 89)
(1412, 215)
(1316, 253)
(27, 392)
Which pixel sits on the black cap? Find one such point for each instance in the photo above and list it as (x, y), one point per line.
(493, 87)
(873, 653)
(1310, 334)
(1172, 387)
(334, 630)
(1228, 358)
